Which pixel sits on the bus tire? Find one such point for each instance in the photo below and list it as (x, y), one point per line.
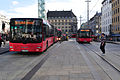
(47, 45)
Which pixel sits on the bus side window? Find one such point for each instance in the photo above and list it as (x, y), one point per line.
(47, 31)
(44, 32)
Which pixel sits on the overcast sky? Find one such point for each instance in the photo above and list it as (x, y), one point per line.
(29, 8)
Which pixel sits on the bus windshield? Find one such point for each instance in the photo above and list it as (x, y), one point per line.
(25, 31)
(85, 34)
(59, 33)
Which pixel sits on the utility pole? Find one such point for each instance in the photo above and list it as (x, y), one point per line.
(88, 12)
(80, 20)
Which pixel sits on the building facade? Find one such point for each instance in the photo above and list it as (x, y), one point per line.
(95, 24)
(4, 24)
(64, 20)
(106, 18)
(116, 19)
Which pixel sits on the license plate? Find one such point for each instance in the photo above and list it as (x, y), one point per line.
(24, 50)
(85, 41)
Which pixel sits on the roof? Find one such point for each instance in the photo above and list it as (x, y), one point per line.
(25, 19)
(103, 1)
(60, 14)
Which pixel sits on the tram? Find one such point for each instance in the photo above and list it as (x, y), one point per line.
(30, 35)
(84, 35)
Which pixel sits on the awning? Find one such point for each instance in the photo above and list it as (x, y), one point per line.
(115, 35)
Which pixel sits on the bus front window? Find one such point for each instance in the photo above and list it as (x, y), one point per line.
(29, 33)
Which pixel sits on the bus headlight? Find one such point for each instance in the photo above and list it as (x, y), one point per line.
(11, 47)
(39, 47)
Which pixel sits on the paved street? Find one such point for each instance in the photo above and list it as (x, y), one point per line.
(66, 61)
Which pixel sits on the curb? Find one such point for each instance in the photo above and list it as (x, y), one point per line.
(114, 42)
(4, 50)
(114, 65)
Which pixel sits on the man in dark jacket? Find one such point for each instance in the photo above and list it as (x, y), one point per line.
(103, 43)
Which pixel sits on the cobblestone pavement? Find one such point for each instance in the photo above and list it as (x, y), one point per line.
(68, 60)
(67, 63)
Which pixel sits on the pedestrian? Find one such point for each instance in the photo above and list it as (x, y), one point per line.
(103, 43)
(1, 40)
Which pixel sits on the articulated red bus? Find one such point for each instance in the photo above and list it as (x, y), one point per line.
(84, 35)
(30, 35)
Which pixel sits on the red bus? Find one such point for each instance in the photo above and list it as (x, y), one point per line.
(30, 35)
(73, 36)
(59, 34)
(84, 35)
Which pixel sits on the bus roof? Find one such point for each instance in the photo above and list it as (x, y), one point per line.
(25, 18)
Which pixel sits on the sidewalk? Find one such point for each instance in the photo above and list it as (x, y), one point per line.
(114, 42)
(5, 48)
(65, 63)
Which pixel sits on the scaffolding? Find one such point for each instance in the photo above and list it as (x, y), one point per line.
(41, 9)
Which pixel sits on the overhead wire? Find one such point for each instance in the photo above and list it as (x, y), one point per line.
(94, 6)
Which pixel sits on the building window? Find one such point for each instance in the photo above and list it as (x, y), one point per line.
(118, 10)
(114, 19)
(55, 23)
(116, 3)
(114, 12)
(116, 28)
(118, 18)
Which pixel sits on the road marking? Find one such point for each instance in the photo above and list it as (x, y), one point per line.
(31, 73)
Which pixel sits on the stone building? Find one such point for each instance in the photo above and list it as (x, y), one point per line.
(95, 24)
(4, 24)
(64, 20)
(116, 19)
(106, 18)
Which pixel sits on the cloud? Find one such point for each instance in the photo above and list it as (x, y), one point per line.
(79, 7)
(15, 2)
(24, 12)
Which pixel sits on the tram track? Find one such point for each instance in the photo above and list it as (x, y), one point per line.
(114, 53)
(112, 64)
(115, 65)
(111, 70)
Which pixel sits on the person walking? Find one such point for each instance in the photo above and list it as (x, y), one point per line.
(1, 40)
(103, 43)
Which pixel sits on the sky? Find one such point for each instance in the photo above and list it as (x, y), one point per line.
(29, 8)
